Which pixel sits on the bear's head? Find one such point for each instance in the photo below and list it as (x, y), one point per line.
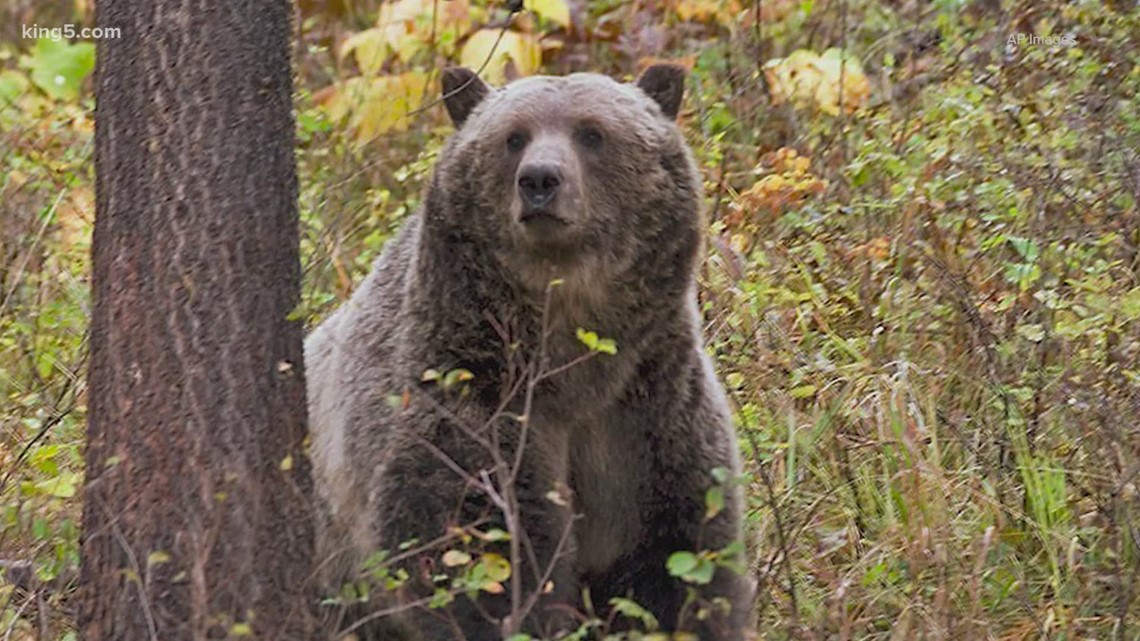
(579, 177)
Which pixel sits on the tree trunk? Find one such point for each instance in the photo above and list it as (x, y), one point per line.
(196, 515)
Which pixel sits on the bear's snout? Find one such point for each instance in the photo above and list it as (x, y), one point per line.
(548, 184)
(538, 184)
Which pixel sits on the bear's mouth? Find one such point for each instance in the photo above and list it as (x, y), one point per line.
(541, 217)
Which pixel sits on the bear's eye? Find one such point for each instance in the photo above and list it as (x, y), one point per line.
(590, 137)
(516, 141)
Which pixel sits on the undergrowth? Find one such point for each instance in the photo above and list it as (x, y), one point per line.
(922, 292)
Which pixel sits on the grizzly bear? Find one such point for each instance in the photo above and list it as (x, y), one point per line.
(526, 357)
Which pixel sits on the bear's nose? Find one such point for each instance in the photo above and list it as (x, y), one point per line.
(538, 183)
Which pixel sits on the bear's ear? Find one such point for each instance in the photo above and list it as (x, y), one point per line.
(665, 84)
(462, 91)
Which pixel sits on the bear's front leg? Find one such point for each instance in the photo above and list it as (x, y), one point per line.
(452, 487)
(675, 525)
(672, 430)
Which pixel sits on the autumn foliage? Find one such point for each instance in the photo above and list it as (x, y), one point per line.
(922, 287)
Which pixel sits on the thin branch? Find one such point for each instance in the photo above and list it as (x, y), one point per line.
(513, 7)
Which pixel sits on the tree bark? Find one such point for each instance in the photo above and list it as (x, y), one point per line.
(197, 505)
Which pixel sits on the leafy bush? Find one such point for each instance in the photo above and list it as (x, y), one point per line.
(922, 285)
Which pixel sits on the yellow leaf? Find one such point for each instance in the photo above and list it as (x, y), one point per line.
(375, 106)
(521, 48)
(403, 11)
(740, 242)
(774, 182)
(795, 78)
(342, 96)
(408, 26)
(855, 89)
(496, 567)
(371, 49)
(407, 45)
(556, 497)
(805, 77)
(455, 558)
(556, 11)
(397, 22)
(721, 11)
(62, 486)
(696, 9)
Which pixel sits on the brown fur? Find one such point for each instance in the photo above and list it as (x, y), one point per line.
(633, 436)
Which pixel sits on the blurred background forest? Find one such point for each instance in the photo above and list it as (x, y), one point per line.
(922, 285)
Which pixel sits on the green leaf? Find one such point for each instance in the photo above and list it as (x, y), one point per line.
(59, 67)
(681, 563)
(61, 487)
(456, 376)
(1129, 305)
(13, 84)
(732, 557)
(734, 380)
(714, 501)
(374, 560)
(1031, 332)
(719, 474)
(633, 610)
(40, 528)
(691, 568)
(703, 574)
(441, 598)
(1025, 247)
(803, 391)
(393, 581)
